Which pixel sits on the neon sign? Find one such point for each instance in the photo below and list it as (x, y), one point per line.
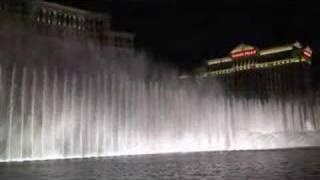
(246, 53)
(307, 52)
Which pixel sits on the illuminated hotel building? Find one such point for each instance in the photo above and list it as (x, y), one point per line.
(51, 19)
(248, 69)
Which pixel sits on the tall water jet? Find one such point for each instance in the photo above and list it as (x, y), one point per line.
(33, 107)
(11, 112)
(23, 97)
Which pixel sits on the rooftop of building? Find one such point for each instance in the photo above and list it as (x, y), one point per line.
(245, 47)
(70, 9)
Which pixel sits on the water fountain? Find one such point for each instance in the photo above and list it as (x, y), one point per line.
(54, 105)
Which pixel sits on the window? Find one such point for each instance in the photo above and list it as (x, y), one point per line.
(77, 22)
(60, 18)
(81, 23)
(68, 20)
(64, 19)
(50, 17)
(54, 17)
(43, 15)
(39, 16)
(74, 21)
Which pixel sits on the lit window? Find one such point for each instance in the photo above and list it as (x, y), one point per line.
(70, 21)
(41, 15)
(59, 19)
(49, 17)
(75, 21)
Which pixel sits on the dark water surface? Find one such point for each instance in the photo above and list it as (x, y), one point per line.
(277, 164)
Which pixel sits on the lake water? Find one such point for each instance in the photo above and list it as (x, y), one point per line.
(274, 164)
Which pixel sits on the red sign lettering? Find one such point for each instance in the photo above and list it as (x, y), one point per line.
(245, 53)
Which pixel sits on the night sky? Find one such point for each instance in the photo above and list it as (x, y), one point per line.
(186, 33)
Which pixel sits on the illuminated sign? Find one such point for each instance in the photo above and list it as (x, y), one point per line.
(307, 52)
(246, 53)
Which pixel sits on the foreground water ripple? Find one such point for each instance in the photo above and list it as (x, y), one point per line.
(293, 164)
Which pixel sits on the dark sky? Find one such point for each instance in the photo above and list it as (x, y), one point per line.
(187, 32)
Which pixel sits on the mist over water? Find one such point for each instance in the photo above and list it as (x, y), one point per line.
(67, 98)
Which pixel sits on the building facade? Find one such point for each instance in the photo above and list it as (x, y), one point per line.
(57, 20)
(249, 70)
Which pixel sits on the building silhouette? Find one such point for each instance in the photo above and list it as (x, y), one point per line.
(53, 19)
